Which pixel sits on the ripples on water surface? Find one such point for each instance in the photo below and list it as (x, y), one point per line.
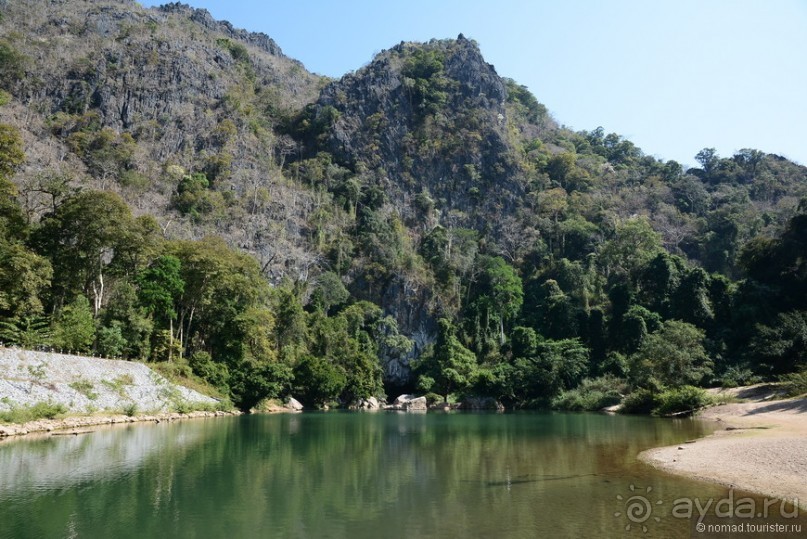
(348, 475)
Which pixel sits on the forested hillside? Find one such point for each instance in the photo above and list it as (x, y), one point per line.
(177, 190)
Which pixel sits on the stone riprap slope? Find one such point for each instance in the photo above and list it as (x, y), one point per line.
(87, 385)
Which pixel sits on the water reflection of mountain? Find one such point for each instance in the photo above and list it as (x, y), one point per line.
(60, 462)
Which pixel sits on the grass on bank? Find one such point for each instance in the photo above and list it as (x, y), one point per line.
(180, 373)
(24, 414)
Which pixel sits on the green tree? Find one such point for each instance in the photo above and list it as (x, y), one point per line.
(551, 311)
(83, 239)
(425, 81)
(136, 326)
(24, 279)
(596, 337)
(782, 346)
(502, 287)
(195, 198)
(13, 225)
(709, 160)
(351, 341)
(673, 356)
(159, 288)
(691, 299)
(257, 328)
(252, 381)
(220, 284)
(634, 243)
(524, 342)
(215, 373)
(74, 327)
(12, 65)
(291, 318)
(318, 380)
(451, 367)
(569, 359)
(159, 285)
(111, 342)
(26, 331)
(658, 281)
(11, 152)
(329, 291)
(538, 377)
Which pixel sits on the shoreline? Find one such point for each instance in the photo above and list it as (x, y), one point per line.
(70, 425)
(762, 448)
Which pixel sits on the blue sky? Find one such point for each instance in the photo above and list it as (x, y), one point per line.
(673, 76)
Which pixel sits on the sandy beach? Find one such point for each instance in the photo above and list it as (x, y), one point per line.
(760, 447)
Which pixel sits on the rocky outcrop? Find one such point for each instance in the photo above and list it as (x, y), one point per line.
(423, 122)
(368, 404)
(409, 403)
(481, 403)
(391, 114)
(443, 406)
(136, 66)
(206, 20)
(294, 405)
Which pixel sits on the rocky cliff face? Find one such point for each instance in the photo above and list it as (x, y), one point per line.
(430, 127)
(118, 97)
(174, 66)
(426, 117)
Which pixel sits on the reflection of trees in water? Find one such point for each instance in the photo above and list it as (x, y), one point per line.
(350, 474)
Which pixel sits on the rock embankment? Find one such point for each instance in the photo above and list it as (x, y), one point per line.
(87, 386)
(78, 425)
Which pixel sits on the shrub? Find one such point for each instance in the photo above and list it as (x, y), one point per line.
(592, 394)
(47, 410)
(119, 384)
(682, 400)
(86, 388)
(130, 409)
(238, 51)
(641, 401)
(737, 376)
(40, 410)
(433, 398)
(795, 384)
(203, 366)
(12, 64)
(182, 406)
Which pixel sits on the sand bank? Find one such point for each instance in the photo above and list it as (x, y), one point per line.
(761, 447)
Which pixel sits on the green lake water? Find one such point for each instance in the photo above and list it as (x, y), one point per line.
(373, 475)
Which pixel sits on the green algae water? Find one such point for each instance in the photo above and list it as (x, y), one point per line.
(322, 475)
